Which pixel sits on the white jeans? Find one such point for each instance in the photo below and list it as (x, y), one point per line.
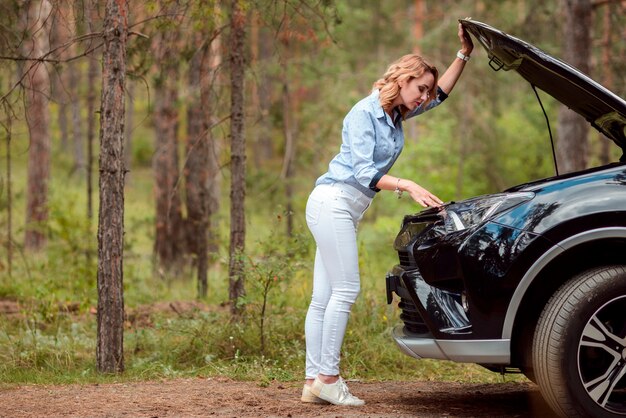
(332, 214)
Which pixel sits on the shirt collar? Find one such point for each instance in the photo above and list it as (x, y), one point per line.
(378, 110)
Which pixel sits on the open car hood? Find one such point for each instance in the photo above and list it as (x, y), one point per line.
(603, 109)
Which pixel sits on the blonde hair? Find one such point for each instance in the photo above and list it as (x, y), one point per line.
(404, 69)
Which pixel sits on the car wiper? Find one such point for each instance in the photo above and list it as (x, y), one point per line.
(556, 166)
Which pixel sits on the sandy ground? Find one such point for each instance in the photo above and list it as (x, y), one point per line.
(202, 397)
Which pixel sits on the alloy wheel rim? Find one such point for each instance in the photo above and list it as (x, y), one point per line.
(601, 358)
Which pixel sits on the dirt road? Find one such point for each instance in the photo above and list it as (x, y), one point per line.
(203, 397)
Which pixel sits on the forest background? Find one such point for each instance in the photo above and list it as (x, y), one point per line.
(217, 259)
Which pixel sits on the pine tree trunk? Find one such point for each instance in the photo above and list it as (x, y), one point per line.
(573, 130)
(59, 35)
(419, 15)
(9, 195)
(197, 167)
(64, 131)
(289, 172)
(37, 85)
(78, 137)
(289, 129)
(238, 158)
(265, 148)
(209, 96)
(110, 344)
(165, 165)
(261, 44)
(91, 14)
(130, 121)
(169, 239)
(202, 178)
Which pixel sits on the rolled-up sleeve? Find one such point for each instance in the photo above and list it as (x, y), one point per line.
(360, 135)
(441, 96)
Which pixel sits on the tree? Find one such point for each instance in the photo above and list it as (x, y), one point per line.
(37, 84)
(6, 125)
(289, 129)
(236, 288)
(91, 14)
(74, 78)
(289, 38)
(197, 167)
(169, 240)
(66, 27)
(59, 35)
(261, 48)
(110, 344)
(419, 15)
(210, 88)
(202, 168)
(573, 130)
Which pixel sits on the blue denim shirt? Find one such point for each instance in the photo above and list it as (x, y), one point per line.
(372, 142)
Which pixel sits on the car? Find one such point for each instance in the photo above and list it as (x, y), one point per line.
(531, 279)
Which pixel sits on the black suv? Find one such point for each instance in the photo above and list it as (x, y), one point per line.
(532, 279)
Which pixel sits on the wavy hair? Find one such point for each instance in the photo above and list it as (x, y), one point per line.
(404, 69)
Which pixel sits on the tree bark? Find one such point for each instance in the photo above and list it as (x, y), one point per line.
(238, 158)
(418, 25)
(290, 153)
(573, 130)
(130, 122)
(78, 136)
(169, 239)
(261, 43)
(209, 97)
(37, 84)
(8, 128)
(110, 344)
(202, 168)
(75, 79)
(59, 35)
(91, 15)
(289, 130)
(196, 171)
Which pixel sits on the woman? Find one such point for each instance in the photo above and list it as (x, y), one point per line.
(372, 141)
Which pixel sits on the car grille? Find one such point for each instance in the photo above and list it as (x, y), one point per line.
(411, 317)
(405, 258)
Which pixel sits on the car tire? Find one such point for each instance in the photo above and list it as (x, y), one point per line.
(579, 346)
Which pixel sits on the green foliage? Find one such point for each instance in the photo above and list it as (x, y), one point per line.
(52, 337)
(142, 151)
(279, 259)
(47, 343)
(490, 134)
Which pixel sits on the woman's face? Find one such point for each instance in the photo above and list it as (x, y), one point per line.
(415, 91)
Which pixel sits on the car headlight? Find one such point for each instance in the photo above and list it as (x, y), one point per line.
(462, 215)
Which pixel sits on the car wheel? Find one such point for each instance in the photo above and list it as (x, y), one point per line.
(579, 346)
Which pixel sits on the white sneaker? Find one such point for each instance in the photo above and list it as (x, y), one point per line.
(336, 393)
(309, 397)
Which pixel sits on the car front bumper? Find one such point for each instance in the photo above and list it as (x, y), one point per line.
(435, 325)
(463, 351)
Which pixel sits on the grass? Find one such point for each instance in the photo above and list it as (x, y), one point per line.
(60, 349)
(47, 344)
